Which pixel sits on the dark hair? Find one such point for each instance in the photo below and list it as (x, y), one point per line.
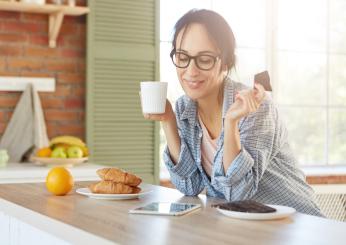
(218, 29)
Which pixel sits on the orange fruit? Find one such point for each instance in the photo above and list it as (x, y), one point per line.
(59, 181)
(44, 152)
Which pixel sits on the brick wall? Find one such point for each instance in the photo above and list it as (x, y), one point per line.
(24, 51)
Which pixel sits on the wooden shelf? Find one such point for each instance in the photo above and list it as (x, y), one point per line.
(56, 14)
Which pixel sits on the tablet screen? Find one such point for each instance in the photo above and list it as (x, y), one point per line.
(166, 208)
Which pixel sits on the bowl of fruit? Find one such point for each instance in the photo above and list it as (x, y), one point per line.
(62, 150)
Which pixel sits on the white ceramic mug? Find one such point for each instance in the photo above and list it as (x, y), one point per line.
(153, 97)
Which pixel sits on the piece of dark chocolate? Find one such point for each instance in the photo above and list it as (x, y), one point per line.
(247, 206)
(263, 79)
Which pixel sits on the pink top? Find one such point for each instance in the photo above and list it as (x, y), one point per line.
(208, 149)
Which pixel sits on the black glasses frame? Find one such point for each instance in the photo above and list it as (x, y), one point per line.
(215, 59)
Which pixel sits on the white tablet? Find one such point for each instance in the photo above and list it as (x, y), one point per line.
(165, 208)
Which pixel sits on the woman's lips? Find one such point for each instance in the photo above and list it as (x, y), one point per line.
(193, 84)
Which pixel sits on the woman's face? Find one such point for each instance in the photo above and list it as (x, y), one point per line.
(198, 84)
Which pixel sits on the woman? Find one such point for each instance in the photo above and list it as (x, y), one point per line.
(224, 136)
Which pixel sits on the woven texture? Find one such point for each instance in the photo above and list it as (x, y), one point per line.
(333, 205)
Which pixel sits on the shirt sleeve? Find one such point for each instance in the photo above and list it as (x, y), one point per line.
(185, 174)
(259, 141)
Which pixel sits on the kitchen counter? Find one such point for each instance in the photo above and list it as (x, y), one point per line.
(30, 172)
(78, 219)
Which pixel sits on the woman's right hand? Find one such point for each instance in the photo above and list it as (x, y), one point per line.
(163, 117)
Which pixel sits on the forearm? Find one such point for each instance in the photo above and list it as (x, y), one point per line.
(170, 129)
(191, 186)
(232, 144)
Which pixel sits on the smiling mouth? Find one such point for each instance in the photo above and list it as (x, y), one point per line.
(193, 84)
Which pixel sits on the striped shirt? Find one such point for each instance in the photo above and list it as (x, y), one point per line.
(265, 170)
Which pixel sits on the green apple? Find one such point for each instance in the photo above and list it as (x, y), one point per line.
(74, 152)
(59, 152)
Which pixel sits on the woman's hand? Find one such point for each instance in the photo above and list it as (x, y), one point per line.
(163, 117)
(246, 102)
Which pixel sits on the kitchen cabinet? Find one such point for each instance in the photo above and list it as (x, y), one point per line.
(14, 231)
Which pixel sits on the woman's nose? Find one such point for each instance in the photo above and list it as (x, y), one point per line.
(192, 69)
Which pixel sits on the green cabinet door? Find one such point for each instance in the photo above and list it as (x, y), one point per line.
(122, 50)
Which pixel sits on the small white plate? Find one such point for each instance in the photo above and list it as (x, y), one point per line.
(87, 192)
(281, 212)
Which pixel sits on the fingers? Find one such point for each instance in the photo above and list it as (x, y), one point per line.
(259, 93)
(246, 102)
(259, 88)
(166, 116)
(241, 104)
(248, 99)
(252, 104)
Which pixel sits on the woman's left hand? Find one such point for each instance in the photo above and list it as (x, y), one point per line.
(246, 102)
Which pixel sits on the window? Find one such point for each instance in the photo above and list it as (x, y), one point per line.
(303, 45)
(311, 90)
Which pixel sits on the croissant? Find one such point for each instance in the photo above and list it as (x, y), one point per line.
(119, 176)
(110, 187)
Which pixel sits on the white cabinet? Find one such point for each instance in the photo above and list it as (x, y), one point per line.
(15, 232)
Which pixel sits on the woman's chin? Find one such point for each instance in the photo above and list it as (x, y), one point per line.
(193, 95)
(193, 92)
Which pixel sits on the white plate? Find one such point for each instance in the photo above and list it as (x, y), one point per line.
(281, 212)
(87, 192)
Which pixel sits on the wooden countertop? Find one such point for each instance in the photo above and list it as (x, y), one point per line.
(110, 221)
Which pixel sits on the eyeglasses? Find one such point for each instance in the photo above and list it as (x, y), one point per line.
(204, 62)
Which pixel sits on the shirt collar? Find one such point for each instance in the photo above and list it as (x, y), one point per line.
(190, 112)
